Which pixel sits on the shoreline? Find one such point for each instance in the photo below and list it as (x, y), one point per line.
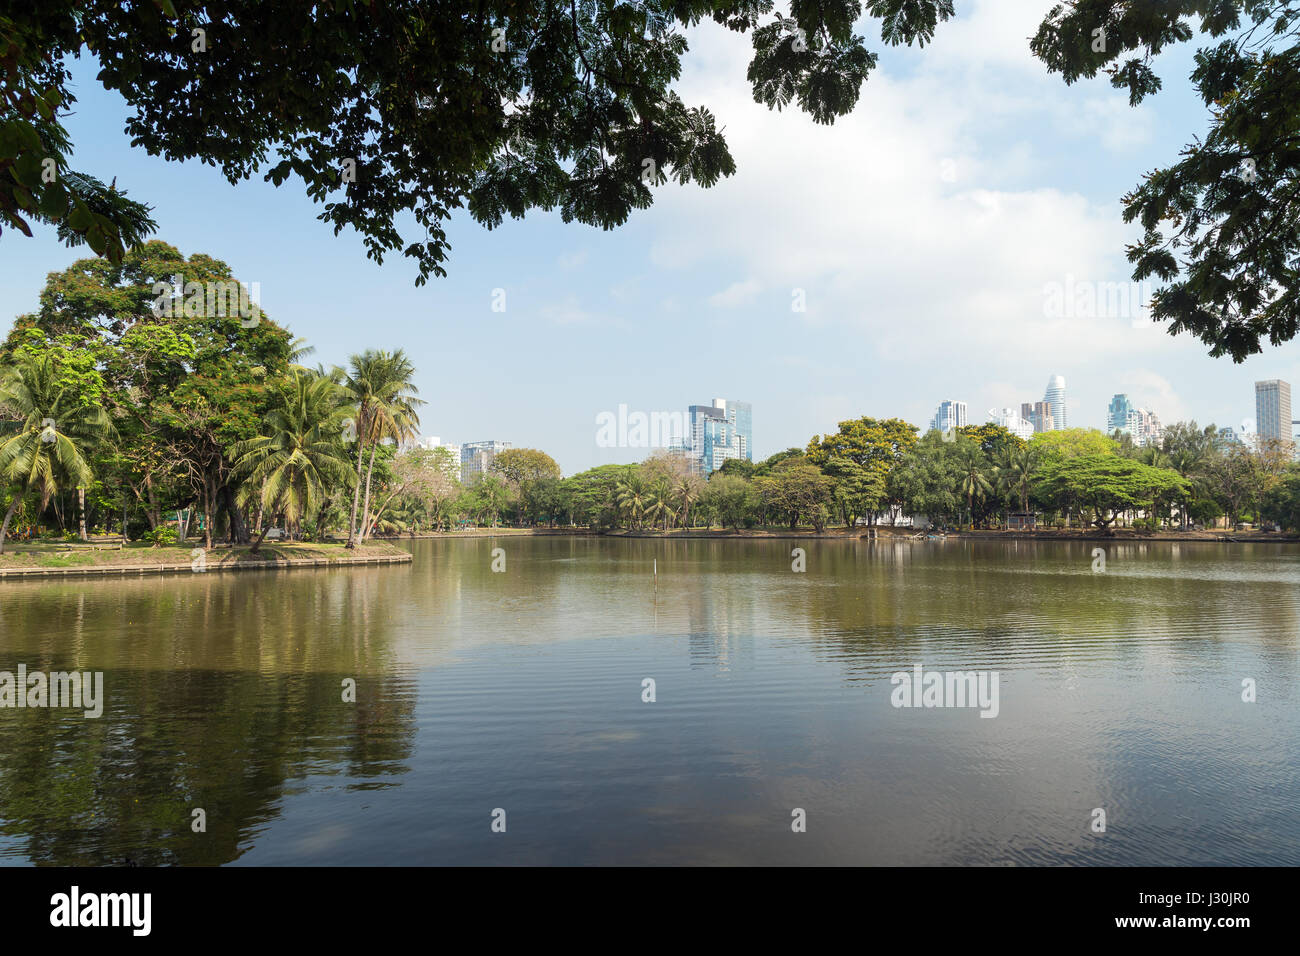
(271, 558)
(1122, 535)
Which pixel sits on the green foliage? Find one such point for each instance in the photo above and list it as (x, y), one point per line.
(1221, 226)
(1108, 485)
(390, 111)
(162, 535)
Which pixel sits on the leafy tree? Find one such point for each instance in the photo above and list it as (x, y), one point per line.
(523, 468)
(1110, 485)
(591, 495)
(730, 498)
(491, 496)
(1072, 443)
(390, 110)
(797, 490)
(926, 478)
(875, 446)
(1222, 224)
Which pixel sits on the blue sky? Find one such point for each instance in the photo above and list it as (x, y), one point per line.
(923, 231)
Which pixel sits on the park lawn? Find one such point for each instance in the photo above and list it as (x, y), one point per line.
(137, 554)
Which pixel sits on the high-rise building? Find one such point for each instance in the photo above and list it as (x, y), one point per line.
(1010, 419)
(950, 416)
(476, 458)
(1055, 397)
(1273, 411)
(1124, 417)
(1038, 414)
(1117, 414)
(1145, 427)
(719, 432)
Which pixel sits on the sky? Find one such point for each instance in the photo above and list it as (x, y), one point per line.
(925, 233)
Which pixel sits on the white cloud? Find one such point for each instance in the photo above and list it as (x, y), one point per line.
(736, 294)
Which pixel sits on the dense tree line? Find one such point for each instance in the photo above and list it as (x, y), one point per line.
(132, 393)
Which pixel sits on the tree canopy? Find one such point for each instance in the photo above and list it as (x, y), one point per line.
(388, 108)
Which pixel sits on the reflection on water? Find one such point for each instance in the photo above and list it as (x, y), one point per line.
(478, 690)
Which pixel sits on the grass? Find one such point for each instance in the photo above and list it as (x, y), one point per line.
(41, 554)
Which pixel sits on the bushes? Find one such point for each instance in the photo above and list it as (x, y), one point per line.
(161, 535)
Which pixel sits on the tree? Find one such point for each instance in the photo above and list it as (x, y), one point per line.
(392, 110)
(975, 485)
(730, 497)
(45, 434)
(380, 384)
(299, 454)
(1110, 485)
(1221, 225)
(857, 489)
(874, 445)
(797, 490)
(591, 495)
(523, 468)
(1072, 443)
(179, 354)
(1016, 472)
(490, 497)
(632, 496)
(926, 478)
(1190, 451)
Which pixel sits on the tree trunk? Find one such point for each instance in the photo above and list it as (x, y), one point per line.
(4, 529)
(81, 504)
(380, 510)
(238, 527)
(365, 507)
(356, 491)
(258, 543)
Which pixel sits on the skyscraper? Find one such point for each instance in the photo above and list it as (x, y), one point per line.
(719, 432)
(951, 415)
(1055, 397)
(1117, 414)
(476, 458)
(1273, 411)
(1038, 414)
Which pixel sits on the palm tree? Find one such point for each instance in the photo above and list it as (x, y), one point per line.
(686, 491)
(395, 421)
(658, 503)
(1016, 472)
(974, 484)
(300, 453)
(631, 497)
(43, 445)
(379, 384)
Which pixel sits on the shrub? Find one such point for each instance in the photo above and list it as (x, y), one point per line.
(161, 535)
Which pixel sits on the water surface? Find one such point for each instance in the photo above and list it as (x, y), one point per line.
(522, 691)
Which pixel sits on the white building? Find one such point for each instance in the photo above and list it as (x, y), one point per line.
(1010, 419)
(1055, 397)
(476, 458)
(950, 416)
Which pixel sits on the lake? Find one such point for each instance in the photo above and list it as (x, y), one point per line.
(519, 698)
